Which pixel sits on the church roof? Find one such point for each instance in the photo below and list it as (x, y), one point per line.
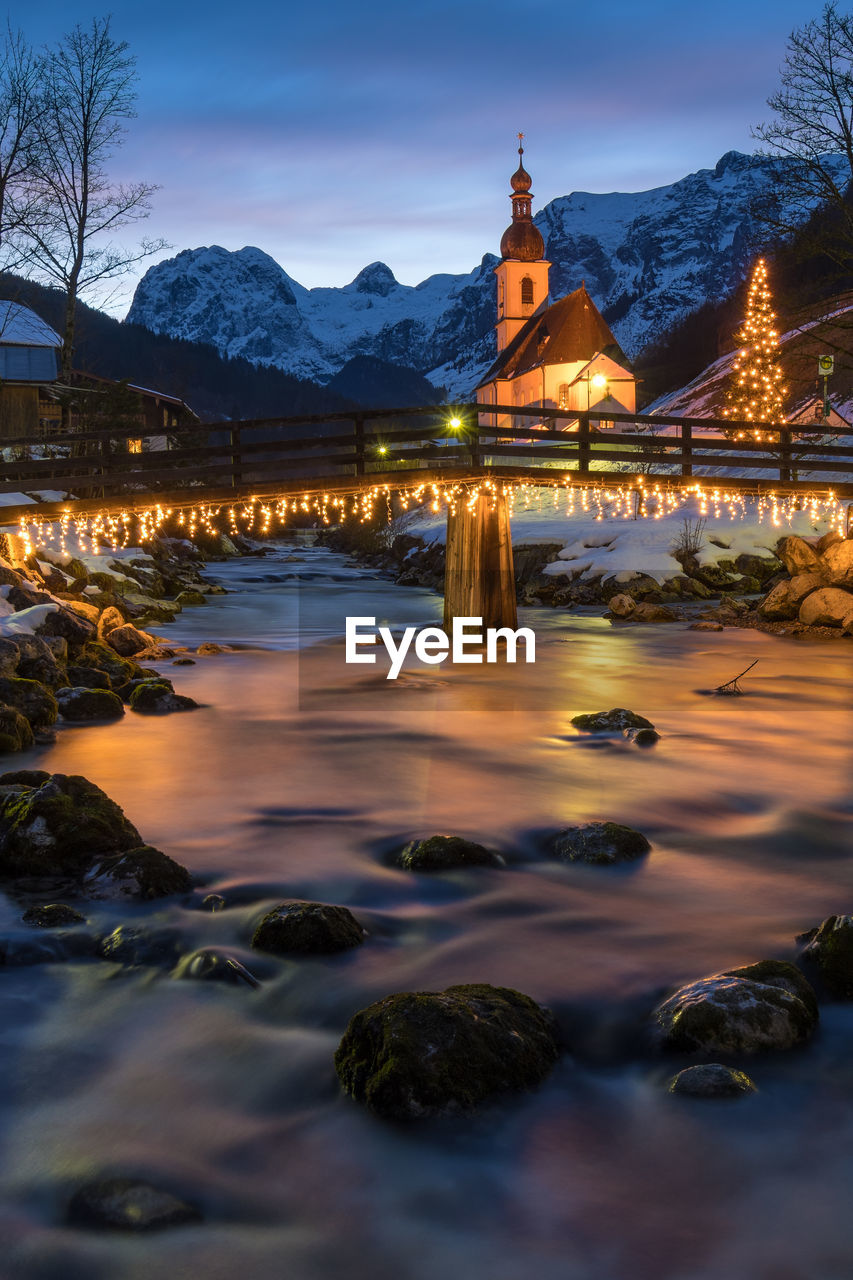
(567, 332)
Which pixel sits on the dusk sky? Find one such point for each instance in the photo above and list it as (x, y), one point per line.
(334, 135)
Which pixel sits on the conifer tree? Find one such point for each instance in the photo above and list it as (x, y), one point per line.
(755, 392)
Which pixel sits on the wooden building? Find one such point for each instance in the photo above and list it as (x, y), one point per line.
(29, 364)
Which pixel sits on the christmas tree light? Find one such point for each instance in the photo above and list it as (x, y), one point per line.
(755, 392)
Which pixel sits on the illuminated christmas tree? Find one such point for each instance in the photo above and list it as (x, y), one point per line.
(755, 392)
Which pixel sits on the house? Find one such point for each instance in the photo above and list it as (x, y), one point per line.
(97, 402)
(559, 356)
(809, 415)
(29, 363)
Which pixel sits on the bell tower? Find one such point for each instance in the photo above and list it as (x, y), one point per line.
(522, 274)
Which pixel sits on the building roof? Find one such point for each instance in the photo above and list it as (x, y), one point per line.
(19, 326)
(568, 332)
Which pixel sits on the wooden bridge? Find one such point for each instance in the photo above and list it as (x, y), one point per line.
(112, 470)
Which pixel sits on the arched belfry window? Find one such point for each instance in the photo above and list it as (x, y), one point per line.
(527, 292)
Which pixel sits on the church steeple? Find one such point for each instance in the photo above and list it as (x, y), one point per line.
(522, 275)
(522, 242)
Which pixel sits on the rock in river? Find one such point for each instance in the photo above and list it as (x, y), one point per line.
(831, 949)
(424, 1053)
(157, 697)
(212, 965)
(768, 1005)
(80, 705)
(128, 1204)
(442, 853)
(601, 843)
(53, 915)
(613, 721)
(58, 825)
(711, 1080)
(307, 928)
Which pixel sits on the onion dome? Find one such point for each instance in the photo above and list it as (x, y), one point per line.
(522, 241)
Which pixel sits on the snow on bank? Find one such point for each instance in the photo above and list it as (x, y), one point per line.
(623, 547)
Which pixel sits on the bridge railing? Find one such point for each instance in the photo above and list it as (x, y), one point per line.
(227, 460)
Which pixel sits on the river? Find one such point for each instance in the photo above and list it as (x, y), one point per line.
(299, 777)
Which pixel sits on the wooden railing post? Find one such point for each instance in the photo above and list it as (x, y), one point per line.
(686, 449)
(583, 442)
(359, 444)
(236, 463)
(785, 439)
(474, 446)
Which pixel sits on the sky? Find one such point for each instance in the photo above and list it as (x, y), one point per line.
(336, 134)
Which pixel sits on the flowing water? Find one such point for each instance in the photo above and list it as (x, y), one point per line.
(299, 777)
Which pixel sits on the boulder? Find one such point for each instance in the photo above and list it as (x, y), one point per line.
(15, 731)
(79, 705)
(128, 640)
(211, 965)
(599, 843)
(157, 697)
(53, 915)
(9, 656)
(25, 597)
(32, 699)
(646, 612)
(69, 625)
(56, 825)
(622, 606)
(191, 599)
(711, 1080)
(134, 945)
(108, 621)
(760, 567)
(128, 1204)
(89, 612)
(307, 928)
(830, 949)
(705, 626)
(613, 721)
(828, 607)
(798, 556)
(828, 540)
(422, 1053)
(88, 678)
(37, 661)
(103, 658)
(768, 1005)
(443, 853)
(783, 602)
(838, 562)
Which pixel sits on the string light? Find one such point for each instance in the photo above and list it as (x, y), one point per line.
(755, 392)
(641, 498)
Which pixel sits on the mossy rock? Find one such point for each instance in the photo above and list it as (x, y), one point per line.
(211, 965)
(765, 1006)
(56, 824)
(157, 698)
(79, 705)
(34, 700)
(142, 872)
(103, 658)
(830, 949)
(613, 721)
(133, 945)
(191, 599)
(444, 853)
(80, 677)
(53, 915)
(37, 661)
(711, 1080)
(128, 1204)
(307, 928)
(15, 731)
(599, 843)
(422, 1053)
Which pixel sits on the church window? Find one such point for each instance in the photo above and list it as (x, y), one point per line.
(527, 292)
(563, 395)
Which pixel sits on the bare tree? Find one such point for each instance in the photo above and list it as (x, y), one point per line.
(89, 93)
(812, 128)
(20, 107)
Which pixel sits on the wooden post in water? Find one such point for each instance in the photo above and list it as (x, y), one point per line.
(479, 581)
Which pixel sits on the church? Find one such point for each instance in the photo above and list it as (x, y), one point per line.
(561, 356)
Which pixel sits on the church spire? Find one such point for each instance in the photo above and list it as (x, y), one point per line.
(522, 241)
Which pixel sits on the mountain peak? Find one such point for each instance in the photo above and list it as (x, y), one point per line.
(376, 278)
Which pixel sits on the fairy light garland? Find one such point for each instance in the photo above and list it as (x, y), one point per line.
(640, 500)
(756, 392)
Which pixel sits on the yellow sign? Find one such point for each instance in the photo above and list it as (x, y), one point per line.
(825, 364)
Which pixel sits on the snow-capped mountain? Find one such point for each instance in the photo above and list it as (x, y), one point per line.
(648, 258)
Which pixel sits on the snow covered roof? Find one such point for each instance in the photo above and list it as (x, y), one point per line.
(21, 327)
